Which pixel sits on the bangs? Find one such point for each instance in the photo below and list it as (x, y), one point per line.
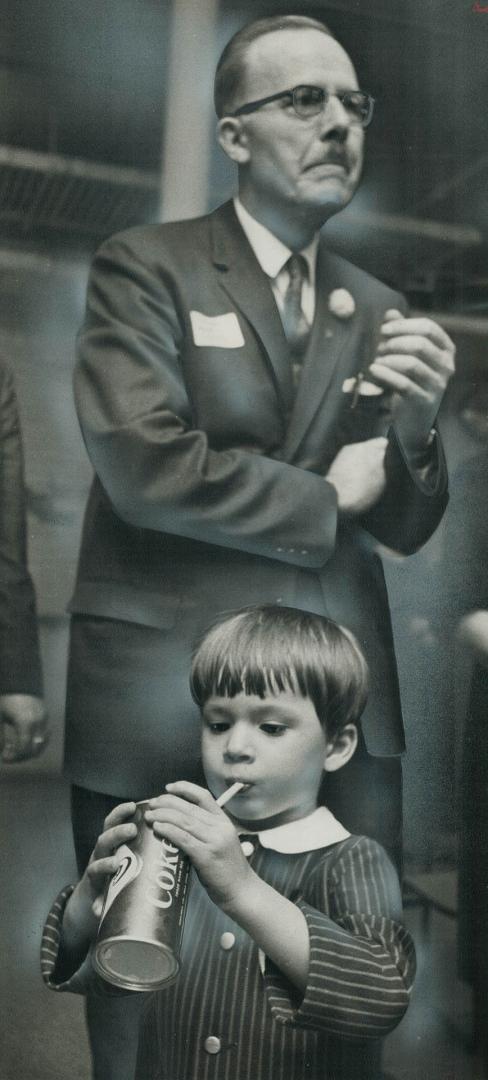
(271, 650)
(254, 676)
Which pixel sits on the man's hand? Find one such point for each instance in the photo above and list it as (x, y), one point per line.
(190, 818)
(415, 360)
(358, 475)
(24, 728)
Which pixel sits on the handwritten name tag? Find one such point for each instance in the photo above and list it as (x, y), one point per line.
(218, 331)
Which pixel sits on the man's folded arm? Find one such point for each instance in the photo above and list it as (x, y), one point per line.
(158, 470)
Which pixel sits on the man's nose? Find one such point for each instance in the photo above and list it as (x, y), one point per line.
(335, 120)
(239, 745)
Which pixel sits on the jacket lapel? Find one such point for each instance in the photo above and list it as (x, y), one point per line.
(334, 353)
(250, 290)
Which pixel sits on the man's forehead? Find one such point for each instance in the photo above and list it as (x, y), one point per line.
(289, 57)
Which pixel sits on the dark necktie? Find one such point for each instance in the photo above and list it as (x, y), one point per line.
(295, 324)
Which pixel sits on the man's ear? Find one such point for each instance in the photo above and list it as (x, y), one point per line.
(233, 139)
(341, 749)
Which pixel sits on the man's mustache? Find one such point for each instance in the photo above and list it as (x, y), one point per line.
(334, 156)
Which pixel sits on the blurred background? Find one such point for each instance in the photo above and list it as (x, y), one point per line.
(106, 121)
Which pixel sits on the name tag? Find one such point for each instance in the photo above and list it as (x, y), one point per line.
(217, 331)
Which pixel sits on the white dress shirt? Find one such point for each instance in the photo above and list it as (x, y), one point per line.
(272, 256)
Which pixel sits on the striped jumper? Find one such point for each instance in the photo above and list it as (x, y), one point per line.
(231, 1015)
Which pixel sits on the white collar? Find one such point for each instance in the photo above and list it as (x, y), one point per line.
(318, 830)
(272, 253)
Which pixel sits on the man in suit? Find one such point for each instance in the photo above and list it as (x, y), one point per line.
(23, 720)
(236, 459)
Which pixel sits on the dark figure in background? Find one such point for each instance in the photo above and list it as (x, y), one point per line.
(23, 721)
(229, 388)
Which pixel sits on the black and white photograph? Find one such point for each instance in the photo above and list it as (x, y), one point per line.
(244, 556)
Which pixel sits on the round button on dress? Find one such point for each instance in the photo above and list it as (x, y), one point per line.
(212, 1045)
(227, 940)
(247, 848)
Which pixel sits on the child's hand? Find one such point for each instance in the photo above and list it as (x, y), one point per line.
(84, 907)
(190, 818)
(104, 860)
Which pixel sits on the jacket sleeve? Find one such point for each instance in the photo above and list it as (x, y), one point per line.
(362, 960)
(414, 501)
(20, 669)
(57, 970)
(416, 493)
(157, 468)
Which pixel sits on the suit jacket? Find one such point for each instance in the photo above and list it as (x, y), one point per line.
(20, 671)
(209, 491)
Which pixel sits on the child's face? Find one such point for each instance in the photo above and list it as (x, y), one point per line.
(275, 743)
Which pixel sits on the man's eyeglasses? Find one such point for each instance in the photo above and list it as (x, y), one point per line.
(309, 101)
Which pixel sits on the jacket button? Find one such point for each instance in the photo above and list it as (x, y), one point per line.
(247, 848)
(212, 1045)
(227, 940)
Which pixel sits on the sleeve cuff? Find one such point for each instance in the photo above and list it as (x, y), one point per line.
(427, 466)
(359, 978)
(55, 969)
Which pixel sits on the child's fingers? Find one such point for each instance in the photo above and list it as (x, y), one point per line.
(97, 906)
(112, 838)
(182, 838)
(208, 829)
(193, 793)
(101, 868)
(118, 814)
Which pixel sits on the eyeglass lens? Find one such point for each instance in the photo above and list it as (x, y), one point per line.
(309, 100)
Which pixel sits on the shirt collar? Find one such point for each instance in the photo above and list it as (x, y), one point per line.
(318, 830)
(270, 252)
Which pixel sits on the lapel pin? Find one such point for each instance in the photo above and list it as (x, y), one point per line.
(342, 304)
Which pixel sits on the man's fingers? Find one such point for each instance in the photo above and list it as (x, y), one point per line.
(407, 374)
(417, 347)
(425, 328)
(40, 738)
(22, 743)
(25, 726)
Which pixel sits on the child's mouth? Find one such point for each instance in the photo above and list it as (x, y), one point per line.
(239, 780)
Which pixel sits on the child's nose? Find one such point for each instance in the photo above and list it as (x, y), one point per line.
(238, 745)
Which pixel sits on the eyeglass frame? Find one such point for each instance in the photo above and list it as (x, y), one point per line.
(253, 106)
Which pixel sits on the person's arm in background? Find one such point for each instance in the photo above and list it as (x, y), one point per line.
(23, 721)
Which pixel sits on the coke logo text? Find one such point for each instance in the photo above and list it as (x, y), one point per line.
(165, 878)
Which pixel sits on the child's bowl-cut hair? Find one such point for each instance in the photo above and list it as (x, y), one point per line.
(263, 650)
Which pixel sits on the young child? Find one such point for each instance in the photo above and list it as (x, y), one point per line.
(294, 962)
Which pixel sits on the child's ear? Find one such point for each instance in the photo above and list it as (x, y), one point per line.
(341, 749)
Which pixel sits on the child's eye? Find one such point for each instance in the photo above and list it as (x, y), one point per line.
(273, 729)
(218, 726)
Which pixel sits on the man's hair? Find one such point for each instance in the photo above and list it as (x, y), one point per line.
(232, 63)
(265, 650)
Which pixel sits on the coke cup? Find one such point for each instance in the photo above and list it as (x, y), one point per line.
(143, 913)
